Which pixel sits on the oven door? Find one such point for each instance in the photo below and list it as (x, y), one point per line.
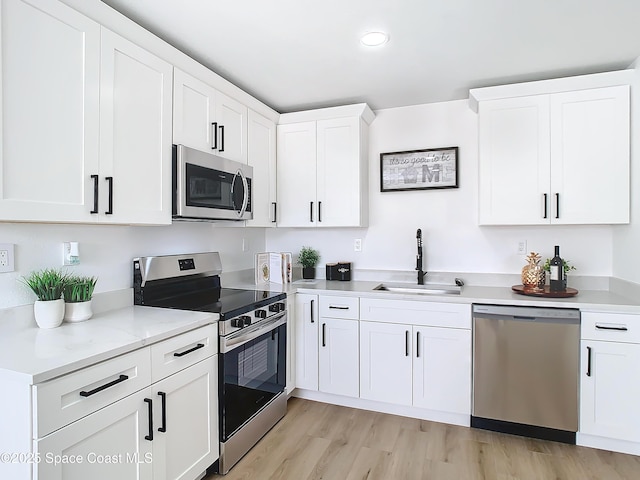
(252, 372)
(210, 187)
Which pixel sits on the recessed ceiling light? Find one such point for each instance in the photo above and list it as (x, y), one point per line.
(374, 39)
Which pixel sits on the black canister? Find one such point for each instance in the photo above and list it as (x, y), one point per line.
(338, 271)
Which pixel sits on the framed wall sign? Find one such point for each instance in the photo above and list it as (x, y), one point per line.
(419, 169)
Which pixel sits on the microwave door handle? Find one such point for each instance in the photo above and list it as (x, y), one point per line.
(245, 200)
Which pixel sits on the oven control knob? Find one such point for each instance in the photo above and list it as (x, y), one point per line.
(260, 313)
(276, 307)
(246, 320)
(237, 322)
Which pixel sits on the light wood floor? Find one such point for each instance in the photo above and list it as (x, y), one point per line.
(321, 441)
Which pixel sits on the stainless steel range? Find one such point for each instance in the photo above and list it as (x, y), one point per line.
(252, 342)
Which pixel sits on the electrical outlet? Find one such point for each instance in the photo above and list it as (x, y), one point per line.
(6, 258)
(357, 245)
(522, 247)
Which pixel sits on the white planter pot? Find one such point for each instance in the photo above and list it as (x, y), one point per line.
(49, 314)
(77, 312)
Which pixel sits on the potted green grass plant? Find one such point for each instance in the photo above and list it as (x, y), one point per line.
(308, 258)
(48, 285)
(78, 292)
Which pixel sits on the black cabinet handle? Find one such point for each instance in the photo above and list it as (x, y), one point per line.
(557, 205)
(418, 345)
(588, 361)
(337, 307)
(275, 212)
(215, 135)
(221, 127)
(406, 343)
(324, 343)
(118, 380)
(182, 354)
(621, 328)
(149, 402)
(95, 194)
(110, 209)
(311, 212)
(546, 203)
(163, 396)
(319, 211)
(312, 321)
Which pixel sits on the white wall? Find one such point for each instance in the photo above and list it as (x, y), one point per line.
(107, 251)
(448, 218)
(626, 238)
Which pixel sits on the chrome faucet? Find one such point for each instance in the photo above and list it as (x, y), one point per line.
(419, 261)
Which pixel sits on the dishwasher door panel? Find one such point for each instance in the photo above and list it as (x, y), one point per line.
(525, 371)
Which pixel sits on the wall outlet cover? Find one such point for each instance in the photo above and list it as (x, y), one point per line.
(7, 259)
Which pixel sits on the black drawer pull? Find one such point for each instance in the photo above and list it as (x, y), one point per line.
(335, 307)
(182, 354)
(150, 403)
(120, 379)
(588, 361)
(619, 329)
(163, 396)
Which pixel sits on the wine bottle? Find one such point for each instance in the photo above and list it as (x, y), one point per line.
(556, 272)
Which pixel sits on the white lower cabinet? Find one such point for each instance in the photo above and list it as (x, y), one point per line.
(338, 365)
(609, 392)
(427, 367)
(165, 430)
(306, 341)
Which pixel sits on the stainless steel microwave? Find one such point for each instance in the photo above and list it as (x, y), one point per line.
(209, 187)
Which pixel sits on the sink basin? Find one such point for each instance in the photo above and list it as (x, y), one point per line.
(429, 289)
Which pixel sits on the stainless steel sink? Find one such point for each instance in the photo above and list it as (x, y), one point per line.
(429, 289)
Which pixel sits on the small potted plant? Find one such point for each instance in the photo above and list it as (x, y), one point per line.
(48, 285)
(566, 268)
(308, 258)
(77, 297)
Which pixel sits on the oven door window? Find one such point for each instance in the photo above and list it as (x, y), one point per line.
(254, 373)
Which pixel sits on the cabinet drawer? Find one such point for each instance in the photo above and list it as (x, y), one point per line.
(615, 327)
(339, 307)
(63, 400)
(433, 314)
(182, 351)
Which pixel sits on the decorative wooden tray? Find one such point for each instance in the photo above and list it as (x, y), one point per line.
(569, 292)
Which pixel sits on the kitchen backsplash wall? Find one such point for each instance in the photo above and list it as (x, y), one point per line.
(448, 218)
(107, 251)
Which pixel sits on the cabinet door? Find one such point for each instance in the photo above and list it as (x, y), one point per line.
(306, 345)
(590, 156)
(609, 392)
(135, 133)
(386, 362)
(442, 369)
(50, 70)
(261, 154)
(514, 161)
(297, 174)
(193, 112)
(231, 116)
(105, 445)
(341, 170)
(186, 422)
(338, 358)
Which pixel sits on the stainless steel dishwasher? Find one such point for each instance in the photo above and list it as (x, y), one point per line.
(525, 371)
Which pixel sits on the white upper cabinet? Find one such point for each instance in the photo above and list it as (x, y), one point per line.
(557, 158)
(86, 121)
(50, 70)
(135, 134)
(319, 153)
(208, 120)
(261, 151)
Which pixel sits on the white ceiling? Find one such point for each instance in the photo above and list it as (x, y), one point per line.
(300, 54)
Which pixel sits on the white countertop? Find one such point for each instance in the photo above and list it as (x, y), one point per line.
(32, 354)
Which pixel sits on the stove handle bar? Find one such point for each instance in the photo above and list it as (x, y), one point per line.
(245, 335)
